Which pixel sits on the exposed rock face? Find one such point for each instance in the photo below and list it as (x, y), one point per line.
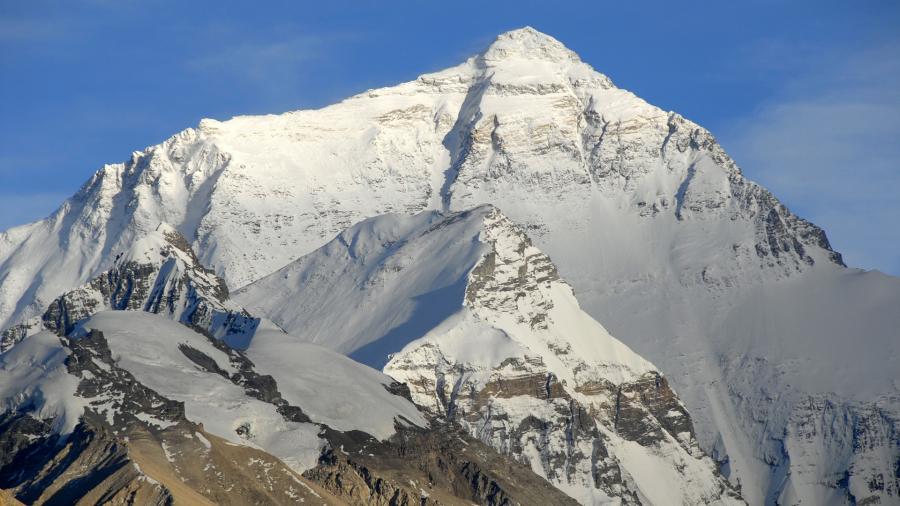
(7, 499)
(86, 465)
(161, 274)
(440, 465)
(146, 465)
(14, 334)
(523, 412)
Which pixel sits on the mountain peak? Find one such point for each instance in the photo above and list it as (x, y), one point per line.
(528, 44)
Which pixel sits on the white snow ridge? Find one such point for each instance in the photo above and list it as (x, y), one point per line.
(480, 234)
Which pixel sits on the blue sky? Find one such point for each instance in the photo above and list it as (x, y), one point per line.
(804, 95)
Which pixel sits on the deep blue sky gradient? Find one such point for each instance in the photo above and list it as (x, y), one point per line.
(804, 94)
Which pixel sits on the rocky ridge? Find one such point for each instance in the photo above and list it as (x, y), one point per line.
(159, 274)
(129, 445)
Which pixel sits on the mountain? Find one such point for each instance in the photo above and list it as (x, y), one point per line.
(474, 318)
(784, 358)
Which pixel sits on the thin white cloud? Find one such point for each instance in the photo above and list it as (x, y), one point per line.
(828, 147)
(260, 61)
(276, 67)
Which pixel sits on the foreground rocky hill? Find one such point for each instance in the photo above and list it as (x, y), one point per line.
(135, 409)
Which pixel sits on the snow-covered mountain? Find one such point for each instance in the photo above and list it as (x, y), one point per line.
(487, 335)
(785, 359)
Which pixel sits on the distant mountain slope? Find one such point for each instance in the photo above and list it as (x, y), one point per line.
(744, 305)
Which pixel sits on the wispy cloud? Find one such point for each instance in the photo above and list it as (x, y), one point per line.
(828, 146)
(276, 66)
(261, 61)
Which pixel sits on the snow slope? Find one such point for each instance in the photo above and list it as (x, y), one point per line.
(375, 312)
(34, 375)
(136, 406)
(328, 387)
(663, 239)
(160, 274)
(148, 346)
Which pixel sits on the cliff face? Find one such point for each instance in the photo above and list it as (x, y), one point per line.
(557, 392)
(439, 465)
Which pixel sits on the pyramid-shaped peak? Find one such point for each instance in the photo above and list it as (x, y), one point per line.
(530, 44)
